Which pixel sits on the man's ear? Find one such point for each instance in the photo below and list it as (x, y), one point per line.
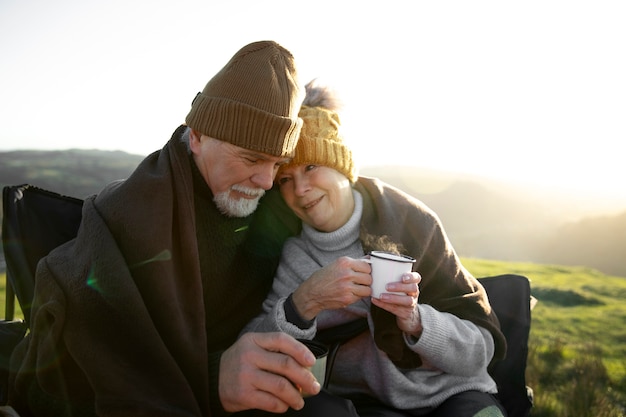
(195, 139)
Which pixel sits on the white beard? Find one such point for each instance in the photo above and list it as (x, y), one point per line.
(240, 207)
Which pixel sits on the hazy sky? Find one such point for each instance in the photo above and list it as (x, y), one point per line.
(533, 91)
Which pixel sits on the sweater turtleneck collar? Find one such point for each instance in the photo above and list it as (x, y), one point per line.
(341, 238)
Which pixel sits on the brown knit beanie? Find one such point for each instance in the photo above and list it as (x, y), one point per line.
(321, 141)
(253, 101)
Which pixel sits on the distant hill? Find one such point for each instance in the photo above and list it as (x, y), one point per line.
(74, 172)
(484, 219)
(494, 220)
(598, 242)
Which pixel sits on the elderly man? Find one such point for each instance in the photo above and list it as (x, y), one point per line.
(139, 314)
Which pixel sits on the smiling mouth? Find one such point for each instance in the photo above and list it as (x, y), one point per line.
(312, 204)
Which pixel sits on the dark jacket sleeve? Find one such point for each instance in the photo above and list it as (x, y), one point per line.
(107, 329)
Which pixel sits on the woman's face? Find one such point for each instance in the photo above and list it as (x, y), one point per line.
(320, 196)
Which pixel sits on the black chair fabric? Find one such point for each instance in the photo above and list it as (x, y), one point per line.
(34, 222)
(509, 296)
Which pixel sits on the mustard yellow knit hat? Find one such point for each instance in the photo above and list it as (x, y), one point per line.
(253, 102)
(321, 141)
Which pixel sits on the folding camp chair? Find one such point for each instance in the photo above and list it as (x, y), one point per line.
(509, 296)
(36, 221)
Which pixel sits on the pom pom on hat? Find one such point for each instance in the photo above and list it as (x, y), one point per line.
(253, 101)
(321, 141)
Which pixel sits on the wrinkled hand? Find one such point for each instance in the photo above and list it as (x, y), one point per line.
(404, 307)
(263, 371)
(337, 285)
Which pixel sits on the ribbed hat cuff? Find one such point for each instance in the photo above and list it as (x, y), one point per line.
(326, 153)
(244, 125)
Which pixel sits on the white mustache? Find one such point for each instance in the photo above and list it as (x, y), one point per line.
(253, 192)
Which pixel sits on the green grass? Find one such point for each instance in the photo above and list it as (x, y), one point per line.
(18, 313)
(577, 340)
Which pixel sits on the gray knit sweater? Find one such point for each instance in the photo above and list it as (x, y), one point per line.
(454, 352)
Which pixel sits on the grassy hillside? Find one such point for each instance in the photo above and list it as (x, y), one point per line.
(578, 339)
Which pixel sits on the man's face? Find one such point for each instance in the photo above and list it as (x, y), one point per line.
(238, 177)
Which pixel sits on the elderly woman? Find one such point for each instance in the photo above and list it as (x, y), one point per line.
(427, 349)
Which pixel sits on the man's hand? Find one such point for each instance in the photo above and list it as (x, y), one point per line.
(266, 371)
